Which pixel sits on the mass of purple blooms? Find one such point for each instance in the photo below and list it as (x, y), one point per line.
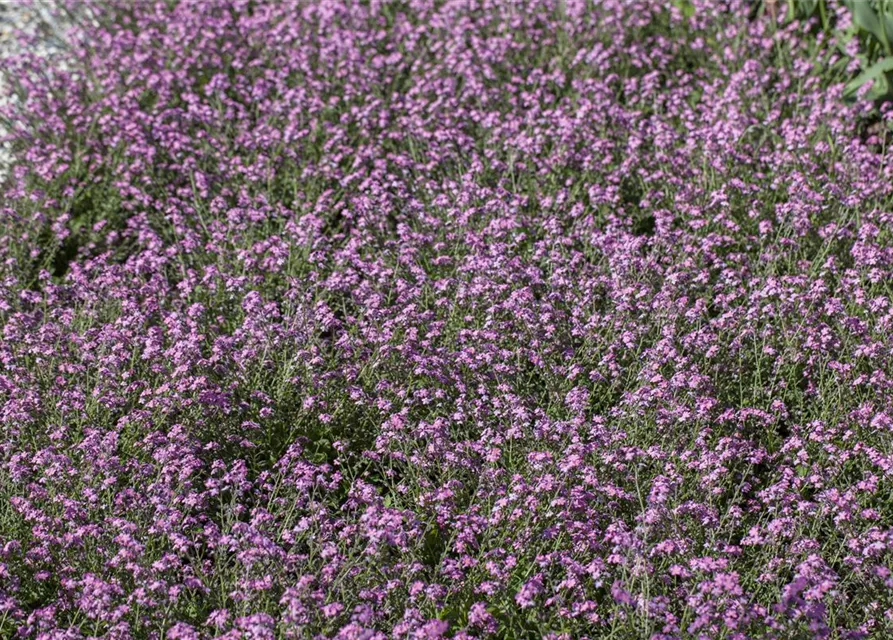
(444, 319)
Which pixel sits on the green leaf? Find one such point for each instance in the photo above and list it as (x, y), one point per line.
(879, 90)
(886, 14)
(865, 18)
(823, 14)
(805, 8)
(875, 71)
(686, 7)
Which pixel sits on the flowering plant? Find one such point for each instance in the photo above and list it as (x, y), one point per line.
(456, 318)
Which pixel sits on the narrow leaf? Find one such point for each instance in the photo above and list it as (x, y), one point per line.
(872, 73)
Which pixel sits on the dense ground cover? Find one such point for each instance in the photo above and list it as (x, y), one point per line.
(457, 318)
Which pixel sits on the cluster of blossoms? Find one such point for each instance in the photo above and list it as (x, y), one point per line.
(444, 318)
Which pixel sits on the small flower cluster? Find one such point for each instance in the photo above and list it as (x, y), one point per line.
(455, 318)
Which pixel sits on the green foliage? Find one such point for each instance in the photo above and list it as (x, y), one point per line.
(872, 29)
(801, 9)
(873, 26)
